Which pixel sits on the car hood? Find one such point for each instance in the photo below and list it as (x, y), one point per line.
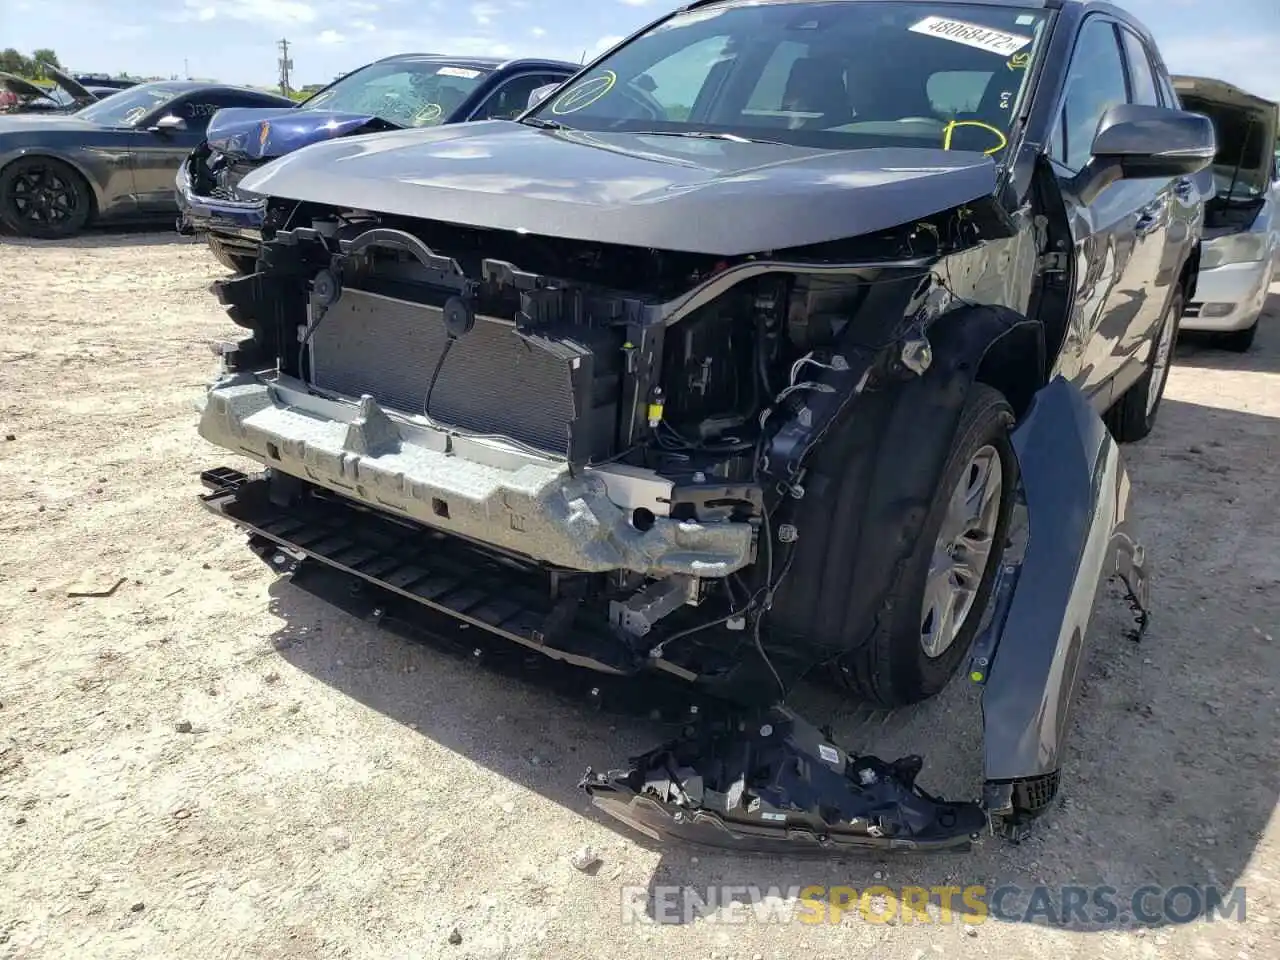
(1245, 124)
(43, 123)
(23, 89)
(77, 91)
(261, 133)
(720, 197)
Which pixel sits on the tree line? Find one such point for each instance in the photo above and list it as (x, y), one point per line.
(13, 61)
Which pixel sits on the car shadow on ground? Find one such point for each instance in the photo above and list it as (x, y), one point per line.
(1196, 349)
(132, 235)
(1172, 773)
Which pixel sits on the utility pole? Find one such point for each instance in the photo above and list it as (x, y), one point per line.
(186, 68)
(285, 66)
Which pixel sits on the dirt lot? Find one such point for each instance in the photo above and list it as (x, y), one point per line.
(206, 762)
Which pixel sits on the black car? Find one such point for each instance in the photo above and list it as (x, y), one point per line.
(407, 90)
(787, 338)
(111, 160)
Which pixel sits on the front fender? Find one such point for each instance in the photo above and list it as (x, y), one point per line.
(1076, 495)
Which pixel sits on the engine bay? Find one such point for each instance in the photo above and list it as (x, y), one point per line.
(687, 389)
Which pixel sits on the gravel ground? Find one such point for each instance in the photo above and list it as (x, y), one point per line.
(205, 761)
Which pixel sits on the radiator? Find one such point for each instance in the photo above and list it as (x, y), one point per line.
(493, 381)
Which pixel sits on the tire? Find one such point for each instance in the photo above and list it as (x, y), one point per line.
(1132, 417)
(235, 262)
(1237, 341)
(43, 198)
(879, 489)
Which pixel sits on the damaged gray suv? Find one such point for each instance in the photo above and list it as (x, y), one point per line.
(787, 337)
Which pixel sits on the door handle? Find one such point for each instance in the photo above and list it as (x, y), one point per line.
(1184, 188)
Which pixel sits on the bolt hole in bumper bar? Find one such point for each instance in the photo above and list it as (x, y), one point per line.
(766, 780)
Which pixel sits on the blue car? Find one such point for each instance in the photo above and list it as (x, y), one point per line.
(397, 92)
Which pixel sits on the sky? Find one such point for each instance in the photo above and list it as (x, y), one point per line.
(235, 40)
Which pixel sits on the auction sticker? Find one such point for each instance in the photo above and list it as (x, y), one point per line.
(462, 72)
(971, 35)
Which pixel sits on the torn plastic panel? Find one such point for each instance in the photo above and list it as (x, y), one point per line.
(776, 783)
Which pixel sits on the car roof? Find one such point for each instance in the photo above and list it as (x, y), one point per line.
(481, 63)
(187, 86)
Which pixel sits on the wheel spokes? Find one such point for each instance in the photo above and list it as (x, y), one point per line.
(962, 551)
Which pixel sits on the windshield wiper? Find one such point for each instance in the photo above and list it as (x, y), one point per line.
(542, 124)
(706, 135)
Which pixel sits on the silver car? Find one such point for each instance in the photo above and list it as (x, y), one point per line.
(1240, 255)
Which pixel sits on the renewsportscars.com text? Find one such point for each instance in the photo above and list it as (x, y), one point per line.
(1099, 906)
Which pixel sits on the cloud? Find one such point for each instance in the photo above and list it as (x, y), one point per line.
(254, 11)
(331, 36)
(637, 3)
(483, 13)
(604, 43)
(538, 32)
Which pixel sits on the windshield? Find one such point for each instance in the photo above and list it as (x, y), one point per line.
(830, 75)
(407, 93)
(126, 108)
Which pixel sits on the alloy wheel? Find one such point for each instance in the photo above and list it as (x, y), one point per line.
(961, 551)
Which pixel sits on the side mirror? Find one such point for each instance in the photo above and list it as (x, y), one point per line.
(1135, 141)
(168, 124)
(538, 94)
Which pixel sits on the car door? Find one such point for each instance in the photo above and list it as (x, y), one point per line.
(1108, 233)
(1163, 232)
(510, 97)
(158, 153)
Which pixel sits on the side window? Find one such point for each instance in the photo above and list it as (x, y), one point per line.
(197, 109)
(512, 97)
(1095, 84)
(1141, 77)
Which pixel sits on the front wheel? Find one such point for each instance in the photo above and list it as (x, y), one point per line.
(943, 588)
(43, 198)
(900, 540)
